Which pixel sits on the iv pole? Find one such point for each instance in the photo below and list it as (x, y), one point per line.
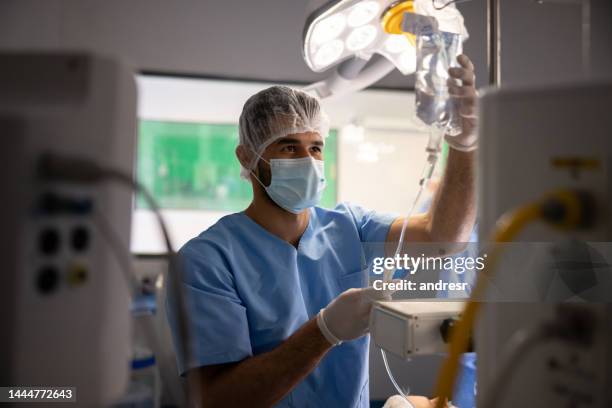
(494, 42)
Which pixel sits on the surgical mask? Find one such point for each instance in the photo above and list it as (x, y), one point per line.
(296, 183)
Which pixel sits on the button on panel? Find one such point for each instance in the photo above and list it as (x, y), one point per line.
(47, 280)
(49, 241)
(80, 238)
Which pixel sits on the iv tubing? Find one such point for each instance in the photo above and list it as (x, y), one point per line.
(433, 149)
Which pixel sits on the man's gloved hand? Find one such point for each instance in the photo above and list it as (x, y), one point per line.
(397, 401)
(467, 98)
(347, 317)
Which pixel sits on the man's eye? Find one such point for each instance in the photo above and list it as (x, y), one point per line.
(289, 148)
(317, 149)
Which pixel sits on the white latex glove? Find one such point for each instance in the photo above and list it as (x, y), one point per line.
(468, 98)
(347, 317)
(397, 401)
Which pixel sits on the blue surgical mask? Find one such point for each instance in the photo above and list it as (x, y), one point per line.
(296, 183)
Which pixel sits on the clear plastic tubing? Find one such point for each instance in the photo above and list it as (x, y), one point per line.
(433, 149)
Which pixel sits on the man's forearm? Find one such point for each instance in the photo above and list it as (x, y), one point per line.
(263, 380)
(453, 212)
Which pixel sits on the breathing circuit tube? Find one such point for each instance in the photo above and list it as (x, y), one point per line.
(566, 210)
(433, 151)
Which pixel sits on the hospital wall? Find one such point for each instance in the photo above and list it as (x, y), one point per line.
(536, 52)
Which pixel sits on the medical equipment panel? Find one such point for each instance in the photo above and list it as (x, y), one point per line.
(409, 328)
(62, 292)
(550, 139)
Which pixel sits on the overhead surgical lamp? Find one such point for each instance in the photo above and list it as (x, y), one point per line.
(363, 38)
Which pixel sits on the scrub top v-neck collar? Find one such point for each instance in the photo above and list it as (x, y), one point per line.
(305, 235)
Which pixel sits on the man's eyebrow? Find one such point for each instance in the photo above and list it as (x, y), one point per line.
(291, 140)
(288, 140)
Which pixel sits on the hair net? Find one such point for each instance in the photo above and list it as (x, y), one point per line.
(274, 113)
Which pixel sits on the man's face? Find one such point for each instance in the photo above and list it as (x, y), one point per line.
(294, 146)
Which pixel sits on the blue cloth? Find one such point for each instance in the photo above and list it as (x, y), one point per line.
(465, 389)
(248, 291)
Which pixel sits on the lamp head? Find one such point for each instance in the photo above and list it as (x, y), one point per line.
(344, 29)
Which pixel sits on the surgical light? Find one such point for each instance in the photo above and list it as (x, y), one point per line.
(364, 28)
(363, 13)
(328, 52)
(328, 29)
(361, 37)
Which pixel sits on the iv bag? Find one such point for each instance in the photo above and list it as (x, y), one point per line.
(436, 53)
(440, 34)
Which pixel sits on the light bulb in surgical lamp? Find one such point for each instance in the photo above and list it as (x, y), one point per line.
(397, 43)
(361, 37)
(362, 13)
(328, 29)
(328, 53)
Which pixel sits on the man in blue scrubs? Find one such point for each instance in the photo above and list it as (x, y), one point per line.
(276, 306)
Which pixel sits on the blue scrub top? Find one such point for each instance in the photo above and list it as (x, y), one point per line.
(249, 290)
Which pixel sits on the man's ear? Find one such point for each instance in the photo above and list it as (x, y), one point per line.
(243, 155)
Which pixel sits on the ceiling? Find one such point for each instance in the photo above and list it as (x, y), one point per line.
(261, 40)
(258, 40)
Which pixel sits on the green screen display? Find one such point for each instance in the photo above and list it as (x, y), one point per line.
(193, 166)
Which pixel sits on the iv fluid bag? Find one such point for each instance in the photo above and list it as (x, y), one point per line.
(436, 52)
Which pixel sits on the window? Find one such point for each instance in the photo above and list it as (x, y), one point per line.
(189, 165)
